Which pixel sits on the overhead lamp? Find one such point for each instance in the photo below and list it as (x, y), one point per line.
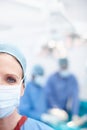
(74, 36)
(4, 27)
(51, 44)
(32, 3)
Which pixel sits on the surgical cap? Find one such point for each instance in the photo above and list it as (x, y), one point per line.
(15, 52)
(63, 61)
(37, 70)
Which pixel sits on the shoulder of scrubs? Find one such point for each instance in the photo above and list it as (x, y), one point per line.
(52, 77)
(29, 83)
(74, 80)
(32, 124)
(72, 76)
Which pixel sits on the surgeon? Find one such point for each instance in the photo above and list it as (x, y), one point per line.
(33, 103)
(12, 82)
(62, 90)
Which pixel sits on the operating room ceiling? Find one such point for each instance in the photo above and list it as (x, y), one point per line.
(21, 20)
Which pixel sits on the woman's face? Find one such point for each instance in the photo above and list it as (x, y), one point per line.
(10, 70)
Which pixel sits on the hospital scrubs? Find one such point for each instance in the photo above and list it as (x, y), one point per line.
(61, 90)
(33, 103)
(31, 124)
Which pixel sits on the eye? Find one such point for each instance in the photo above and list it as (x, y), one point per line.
(11, 80)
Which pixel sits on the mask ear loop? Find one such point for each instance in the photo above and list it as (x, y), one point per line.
(23, 80)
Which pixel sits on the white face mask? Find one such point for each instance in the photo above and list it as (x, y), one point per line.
(9, 99)
(64, 73)
(40, 81)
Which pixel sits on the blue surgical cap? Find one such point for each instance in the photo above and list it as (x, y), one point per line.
(14, 51)
(37, 70)
(63, 61)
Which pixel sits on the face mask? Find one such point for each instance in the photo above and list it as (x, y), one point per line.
(9, 99)
(64, 73)
(40, 81)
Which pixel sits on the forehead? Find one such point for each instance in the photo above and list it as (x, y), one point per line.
(9, 64)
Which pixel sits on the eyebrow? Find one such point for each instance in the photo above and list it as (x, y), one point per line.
(10, 74)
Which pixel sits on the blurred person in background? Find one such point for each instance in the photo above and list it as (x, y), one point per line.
(62, 90)
(34, 103)
(12, 76)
